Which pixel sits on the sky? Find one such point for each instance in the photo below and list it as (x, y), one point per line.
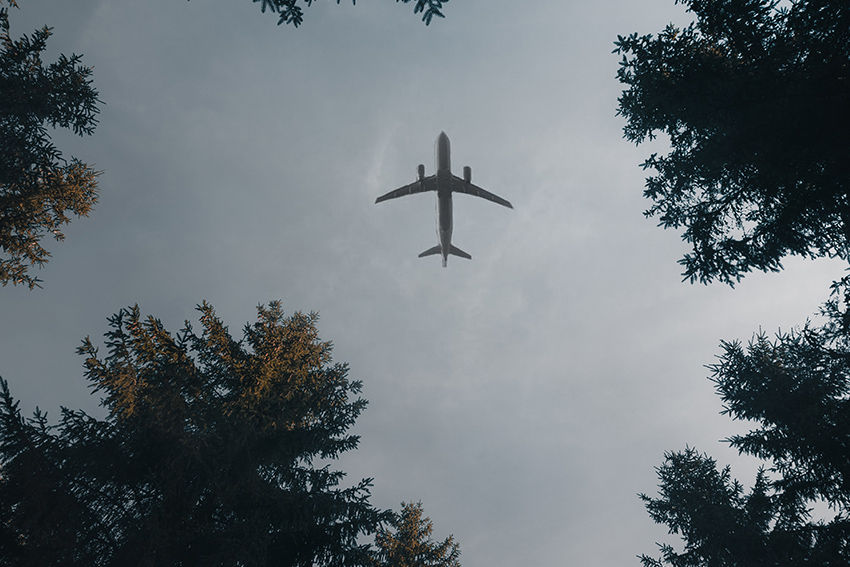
(524, 396)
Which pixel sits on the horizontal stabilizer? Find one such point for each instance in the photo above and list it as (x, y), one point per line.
(458, 252)
(435, 250)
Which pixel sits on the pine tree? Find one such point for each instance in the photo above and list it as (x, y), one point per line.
(753, 98)
(796, 391)
(410, 544)
(39, 188)
(214, 452)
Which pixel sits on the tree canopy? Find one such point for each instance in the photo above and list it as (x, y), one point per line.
(214, 452)
(291, 11)
(410, 543)
(796, 391)
(753, 97)
(39, 188)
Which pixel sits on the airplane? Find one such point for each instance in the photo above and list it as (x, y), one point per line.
(444, 183)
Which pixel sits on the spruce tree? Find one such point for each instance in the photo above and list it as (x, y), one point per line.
(39, 188)
(753, 98)
(795, 391)
(410, 543)
(214, 451)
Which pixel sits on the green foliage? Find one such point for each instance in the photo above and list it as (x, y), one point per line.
(753, 97)
(797, 389)
(410, 545)
(214, 452)
(38, 187)
(719, 523)
(291, 12)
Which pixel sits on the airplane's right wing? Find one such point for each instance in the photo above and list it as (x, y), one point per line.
(462, 186)
(418, 186)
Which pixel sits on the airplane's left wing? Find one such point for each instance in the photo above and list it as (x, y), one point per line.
(461, 186)
(418, 186)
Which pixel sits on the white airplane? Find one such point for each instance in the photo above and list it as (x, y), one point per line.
(444, 183)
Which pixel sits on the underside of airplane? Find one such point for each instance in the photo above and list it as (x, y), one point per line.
(444, 183)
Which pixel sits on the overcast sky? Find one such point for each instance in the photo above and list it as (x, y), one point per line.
(524, 396)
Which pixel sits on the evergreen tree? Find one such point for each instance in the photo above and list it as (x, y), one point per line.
(39, 189)
(410, 544)
(291, 11)
(753, 96)
(214, 452)
(796, 388)
(754, 99)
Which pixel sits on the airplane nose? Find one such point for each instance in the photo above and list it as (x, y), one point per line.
(442, 152)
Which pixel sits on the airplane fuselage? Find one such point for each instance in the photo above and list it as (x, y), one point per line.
(444, 183)
(444, 195)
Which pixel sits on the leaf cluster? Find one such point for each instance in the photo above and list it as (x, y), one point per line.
(214, 452)
(753, 98)
(39, 188)
(291, 12)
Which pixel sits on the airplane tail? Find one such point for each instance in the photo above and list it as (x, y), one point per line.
(454, 250)
(458, 252)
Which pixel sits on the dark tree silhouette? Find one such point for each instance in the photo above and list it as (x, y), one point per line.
(39, 189)
(291, 11)
(754, 99)
(797, 389)
(410, 544)
(214, 452)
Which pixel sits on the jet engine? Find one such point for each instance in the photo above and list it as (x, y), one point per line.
(421, 171)
(467, 174)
